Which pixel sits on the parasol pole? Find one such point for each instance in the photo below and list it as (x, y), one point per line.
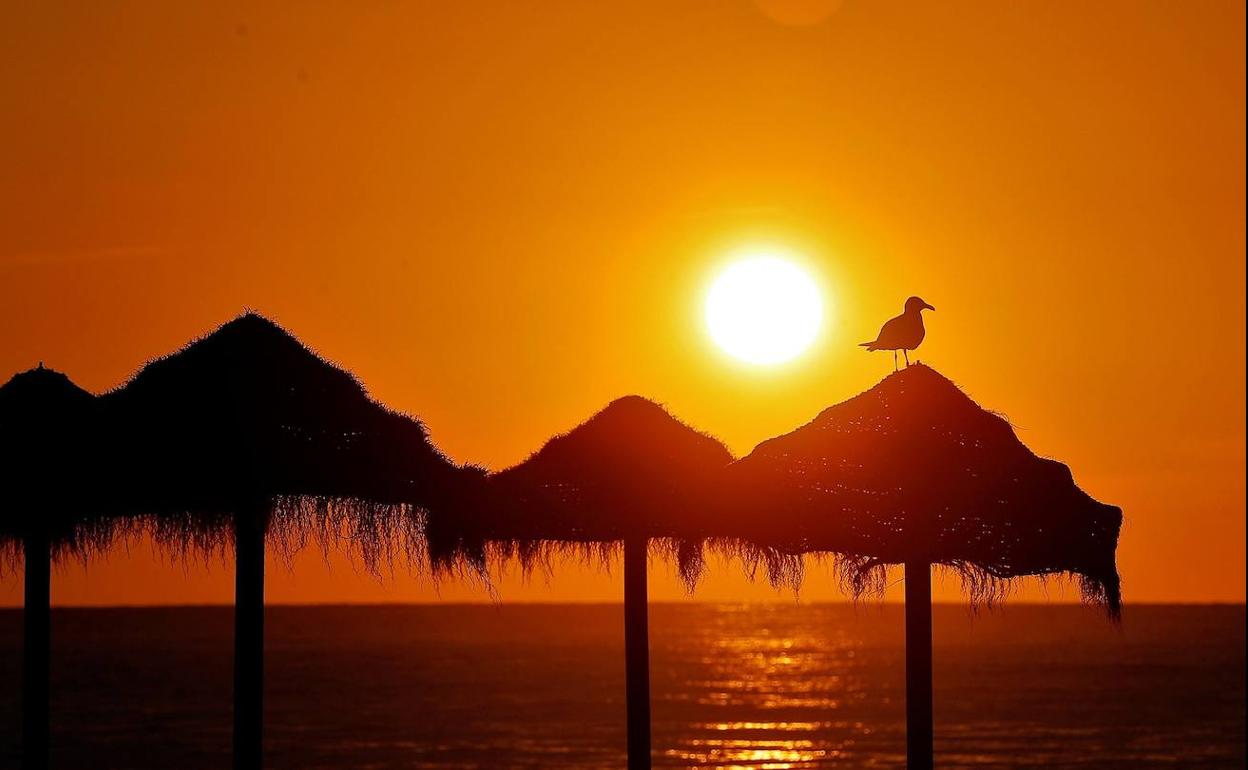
(249, 526)
(637, 652)
(919, 754)
(37, 637)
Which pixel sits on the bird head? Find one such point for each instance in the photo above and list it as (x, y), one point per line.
(917, 305)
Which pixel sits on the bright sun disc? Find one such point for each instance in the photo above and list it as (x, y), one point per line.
(764, 310)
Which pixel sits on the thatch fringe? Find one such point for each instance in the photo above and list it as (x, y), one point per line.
(379, 536)
(80, 542)
(274, 421)
(858, 576)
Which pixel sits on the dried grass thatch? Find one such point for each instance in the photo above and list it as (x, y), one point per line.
(911, 470)
(630, 471)
(248, 421)
(914, 470)
(48, 467)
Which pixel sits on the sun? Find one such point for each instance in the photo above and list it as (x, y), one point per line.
(764, 309)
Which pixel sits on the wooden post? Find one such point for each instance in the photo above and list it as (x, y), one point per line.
(919, 752)
(37, 640)
(249, 527)
(637, 652)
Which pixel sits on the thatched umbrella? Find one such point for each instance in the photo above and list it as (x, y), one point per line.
(46, 424)
(914, 472)
(630, 475)
(246, 433)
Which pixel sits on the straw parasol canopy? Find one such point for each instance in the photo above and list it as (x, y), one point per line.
(630, 471)
(48, 468)
(624, 480)
(914, 470)
(247, 418)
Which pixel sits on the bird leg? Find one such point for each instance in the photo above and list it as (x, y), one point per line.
(894, 361)
(906, 353)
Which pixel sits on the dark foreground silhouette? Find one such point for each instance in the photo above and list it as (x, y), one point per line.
(904, 333)
(245, 435)
(628, 474)
(912, 472)
(46, 472)
(50, 468)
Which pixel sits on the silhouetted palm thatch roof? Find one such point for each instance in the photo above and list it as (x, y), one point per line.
(247, 419)
(913, 469)
(48, 465)
(630, 471)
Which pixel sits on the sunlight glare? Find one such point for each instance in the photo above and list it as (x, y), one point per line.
(764, 309)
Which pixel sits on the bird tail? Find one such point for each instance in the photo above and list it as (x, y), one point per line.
(868, 345)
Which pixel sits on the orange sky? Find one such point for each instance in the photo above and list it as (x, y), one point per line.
(501, 216)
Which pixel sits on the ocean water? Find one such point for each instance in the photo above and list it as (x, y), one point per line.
(753, 686)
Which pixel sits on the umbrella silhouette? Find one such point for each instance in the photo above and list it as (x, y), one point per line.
(914, 472)
(46, 429)
(633, 474)
(246, 434)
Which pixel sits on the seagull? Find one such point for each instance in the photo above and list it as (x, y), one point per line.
(904, 333)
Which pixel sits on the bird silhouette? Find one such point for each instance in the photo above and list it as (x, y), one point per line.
(904, 333)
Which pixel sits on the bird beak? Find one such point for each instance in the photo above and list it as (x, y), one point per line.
(929, 307)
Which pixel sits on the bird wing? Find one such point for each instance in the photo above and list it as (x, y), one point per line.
(889, 334)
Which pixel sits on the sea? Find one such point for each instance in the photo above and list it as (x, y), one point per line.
(760, 686)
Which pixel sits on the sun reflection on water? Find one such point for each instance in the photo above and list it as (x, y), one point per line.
(780, 689)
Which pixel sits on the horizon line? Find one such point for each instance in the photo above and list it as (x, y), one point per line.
(866, 603)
